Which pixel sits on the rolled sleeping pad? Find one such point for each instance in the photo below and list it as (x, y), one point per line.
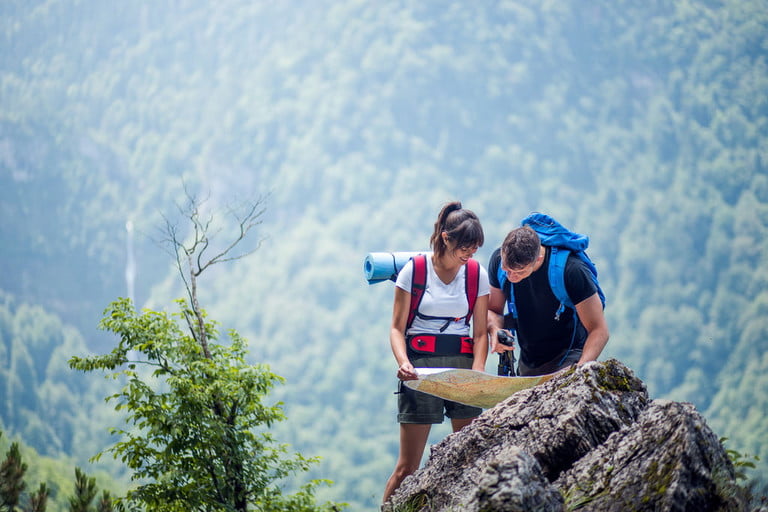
(384, 266)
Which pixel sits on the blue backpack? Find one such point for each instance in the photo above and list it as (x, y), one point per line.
(562, 242)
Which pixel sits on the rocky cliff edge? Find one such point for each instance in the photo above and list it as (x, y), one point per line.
(589, 439)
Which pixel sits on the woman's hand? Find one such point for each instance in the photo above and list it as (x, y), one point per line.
(407, 372)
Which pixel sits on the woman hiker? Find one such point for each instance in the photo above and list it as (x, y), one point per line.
(436, 333)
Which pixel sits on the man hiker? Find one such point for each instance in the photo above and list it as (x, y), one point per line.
(554, 329)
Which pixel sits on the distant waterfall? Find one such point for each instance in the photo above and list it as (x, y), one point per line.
(130, 261)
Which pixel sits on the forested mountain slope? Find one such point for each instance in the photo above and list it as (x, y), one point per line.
(55, 409)
(644, 125)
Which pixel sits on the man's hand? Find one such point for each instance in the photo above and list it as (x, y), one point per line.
(502, 341)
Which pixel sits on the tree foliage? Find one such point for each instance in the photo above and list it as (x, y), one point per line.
(85, 494)
(55, 492)
(198, 435)
(13, 498)
(12, 479)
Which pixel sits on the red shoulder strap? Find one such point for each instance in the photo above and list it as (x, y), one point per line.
(472, 285)
(418, 285)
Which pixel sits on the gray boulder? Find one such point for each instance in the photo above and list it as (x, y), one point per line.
(668, 460)
(589, 439)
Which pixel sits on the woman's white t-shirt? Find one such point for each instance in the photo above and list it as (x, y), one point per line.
(442, 300)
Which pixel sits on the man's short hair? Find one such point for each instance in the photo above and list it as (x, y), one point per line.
(520, 248)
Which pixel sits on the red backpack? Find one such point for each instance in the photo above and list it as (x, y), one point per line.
(419, 285)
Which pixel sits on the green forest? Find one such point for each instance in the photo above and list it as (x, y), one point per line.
(641, 124)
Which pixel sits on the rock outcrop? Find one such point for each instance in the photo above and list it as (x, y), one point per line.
(589, 439)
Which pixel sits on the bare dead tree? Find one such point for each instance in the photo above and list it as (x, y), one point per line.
(201, 249)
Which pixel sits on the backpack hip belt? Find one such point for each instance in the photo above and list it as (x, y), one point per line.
(419, 345)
